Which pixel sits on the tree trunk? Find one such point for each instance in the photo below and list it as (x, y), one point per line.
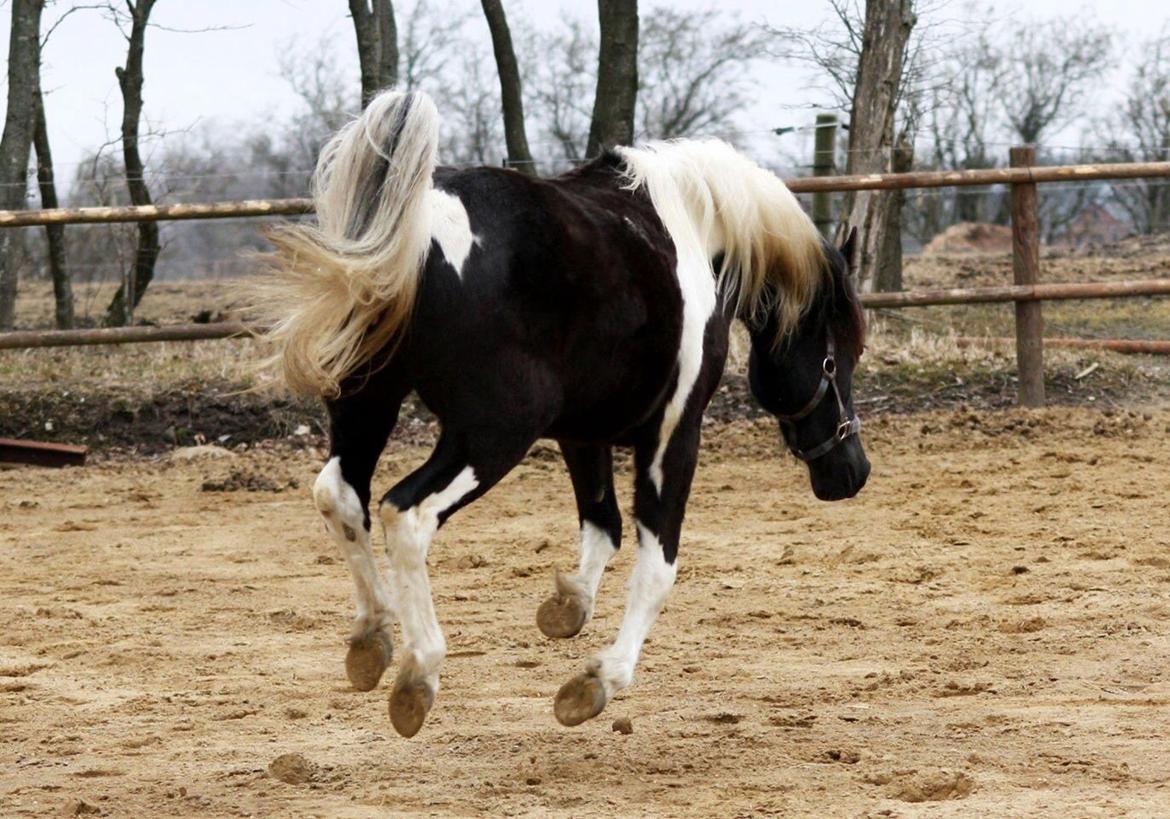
(24, 66)
(62, 287)
(887, 272)
(519, 156)
(121, 309)
(876, 94)
(617, 77)
(377, 42)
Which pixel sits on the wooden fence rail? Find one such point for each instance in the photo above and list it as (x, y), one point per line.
(155, 213)
(1026, 293)
(886, 181)
(29, 339)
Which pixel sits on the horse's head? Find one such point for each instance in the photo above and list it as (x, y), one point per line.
(805, 380)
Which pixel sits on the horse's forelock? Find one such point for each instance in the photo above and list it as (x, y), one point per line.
(846, 316)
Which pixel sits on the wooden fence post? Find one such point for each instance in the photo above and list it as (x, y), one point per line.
(1026, 270)
(824, 161)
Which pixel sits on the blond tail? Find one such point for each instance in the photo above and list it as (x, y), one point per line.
(342, 290)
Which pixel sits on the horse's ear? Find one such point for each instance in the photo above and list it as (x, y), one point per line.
(848, 247)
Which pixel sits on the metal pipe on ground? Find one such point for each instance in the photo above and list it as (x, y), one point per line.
(1129, 346)
(1025, 292)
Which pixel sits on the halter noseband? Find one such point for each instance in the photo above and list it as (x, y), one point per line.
(846, 426)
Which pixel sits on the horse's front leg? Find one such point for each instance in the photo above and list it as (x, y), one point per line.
(456, 473)
(359, 427)
(660, 494)
(571, 606)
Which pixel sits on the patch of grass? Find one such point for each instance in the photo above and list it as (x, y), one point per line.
(134, 367)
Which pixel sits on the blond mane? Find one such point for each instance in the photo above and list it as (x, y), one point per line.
(708, 194)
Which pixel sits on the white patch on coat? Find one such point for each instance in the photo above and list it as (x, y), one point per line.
(451, 228)
(596, 550)
(713, 200)
(338, 503)
(698, 297)
(683, 205)
(408, 538)
(650, 583)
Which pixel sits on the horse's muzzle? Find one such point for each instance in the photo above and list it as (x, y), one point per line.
(838, 478)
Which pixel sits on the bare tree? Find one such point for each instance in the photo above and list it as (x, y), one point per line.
(617, 76)
(1141, 133)
(512, 100)
(964, 115)
(832, 49)
(693, 70)
(377, 44)
(562, 87)
(24, 57)
(1049, 68)
(876, 95)
(872, 66)
(326, 101)
(99, 251)
(54, 234)
(472, 130)
(130, 82)
(432, 36)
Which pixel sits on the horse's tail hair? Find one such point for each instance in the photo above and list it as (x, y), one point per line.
(342, 291)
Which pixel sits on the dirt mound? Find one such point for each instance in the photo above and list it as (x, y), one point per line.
(243, 480)
(932, 786)
(971, 238)
(1131, 247)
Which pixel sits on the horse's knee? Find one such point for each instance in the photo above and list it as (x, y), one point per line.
(408, 534)
(338, 502)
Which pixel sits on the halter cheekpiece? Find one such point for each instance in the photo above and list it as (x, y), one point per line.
(846, 425)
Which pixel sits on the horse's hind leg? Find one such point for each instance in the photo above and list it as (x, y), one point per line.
(571, 606)
(660, 497)
(358, 431)
(458, 472)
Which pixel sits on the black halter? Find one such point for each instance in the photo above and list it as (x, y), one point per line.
(846, 426)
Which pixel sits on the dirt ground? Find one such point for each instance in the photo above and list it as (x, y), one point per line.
(984, 631)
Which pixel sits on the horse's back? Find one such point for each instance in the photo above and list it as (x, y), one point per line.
(562, 288)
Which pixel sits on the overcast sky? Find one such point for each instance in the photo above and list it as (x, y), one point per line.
(229, 76)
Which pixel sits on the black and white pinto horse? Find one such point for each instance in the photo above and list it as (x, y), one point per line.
(593, 309)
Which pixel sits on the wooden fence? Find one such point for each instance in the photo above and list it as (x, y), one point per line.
(1026, 292)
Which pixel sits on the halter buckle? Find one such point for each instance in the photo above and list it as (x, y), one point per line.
(846, 426)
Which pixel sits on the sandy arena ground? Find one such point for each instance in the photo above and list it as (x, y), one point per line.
(985, 631)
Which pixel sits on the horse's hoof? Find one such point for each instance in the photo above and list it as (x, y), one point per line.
(561, 615)
(410, 701)
(368, 657)
(581, 698)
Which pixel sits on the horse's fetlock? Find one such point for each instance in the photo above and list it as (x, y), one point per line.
(615, 674)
